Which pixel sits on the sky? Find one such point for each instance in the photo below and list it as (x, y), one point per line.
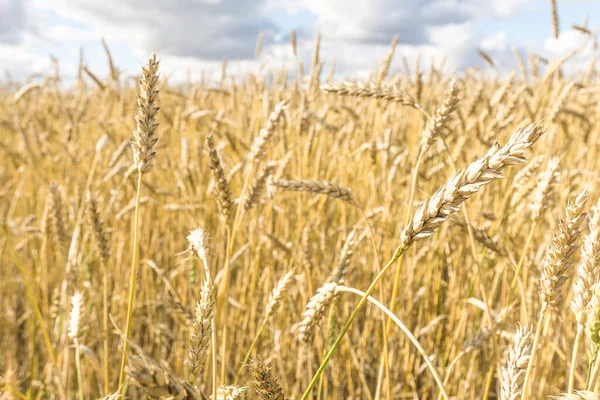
(193, 36)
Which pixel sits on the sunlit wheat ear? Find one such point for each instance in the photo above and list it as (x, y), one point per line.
(555, 27)
(200, 338)
(144, 135)
(340, 271)
(102, 143)
(514, 369)
(373, 90)
(315, 310)
(522, 182)
(258, 186)
(441, 117)
(318, 187)
(198, 241)
(96, 228)
(157, 380)
(464, 184)
(277, 294)
(118, 153)
(588, 271)
(231, 392)
(500, 94)
(480, 235)
(578, 395)
(75, 315)
(293, 42)
(418, 80)
(53, 221)
(387, 61)
(559, 102)
(223, 192)
(265, 383)
(257, 152)
(543, 191)
(564, 243)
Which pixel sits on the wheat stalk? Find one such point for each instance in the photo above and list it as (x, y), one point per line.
(144, 140)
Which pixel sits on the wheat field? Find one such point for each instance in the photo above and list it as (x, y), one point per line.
(291, 235)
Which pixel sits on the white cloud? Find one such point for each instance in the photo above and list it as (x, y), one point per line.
(194, 35)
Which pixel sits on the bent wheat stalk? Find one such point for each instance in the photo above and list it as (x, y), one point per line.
(406, 331)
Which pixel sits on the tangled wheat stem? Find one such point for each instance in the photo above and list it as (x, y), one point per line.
(523, 255)
(475, 256)
(392, 306)
(536, 339)
(134, 271)
(399, 251)
(406, 331)
(480, 287)
(36, 309)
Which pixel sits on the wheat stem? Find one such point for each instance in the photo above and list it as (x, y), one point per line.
(578, 337)
(406, 331)
(132, 282)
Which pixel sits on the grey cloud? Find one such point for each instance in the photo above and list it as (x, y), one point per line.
(212, 29)
(376, 21)
(204, 29)
(13, 21)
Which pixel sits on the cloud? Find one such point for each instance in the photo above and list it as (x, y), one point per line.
(13, 21)
(208, 29)
(194, 35)
(376, 21)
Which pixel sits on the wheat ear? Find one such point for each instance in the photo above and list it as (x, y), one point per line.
(265, 384)
(518, 357)
(557, 262)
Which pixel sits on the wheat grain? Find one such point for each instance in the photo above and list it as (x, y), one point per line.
(265, 383)
(223, 195)
(144, 136)
(315, 309)
(158, 380)
(318, 187)
(516, 363)
(257, 152)
(464, 184)
(588, 271)
(372, 90)
(564, 243)
(278, 292)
